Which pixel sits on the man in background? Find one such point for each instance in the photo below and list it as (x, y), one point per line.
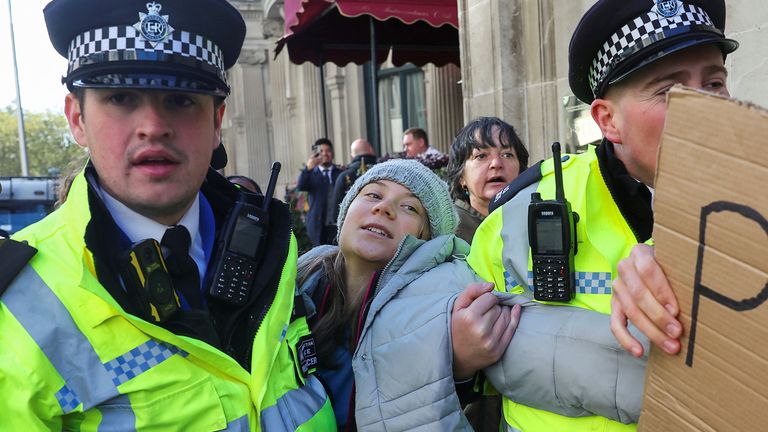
(317, 179)
(363, 157)
(416, 143)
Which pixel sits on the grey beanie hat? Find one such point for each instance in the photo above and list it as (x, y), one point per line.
(426, 185)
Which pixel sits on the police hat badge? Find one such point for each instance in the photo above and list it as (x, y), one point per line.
(153, 26)
(667, 8)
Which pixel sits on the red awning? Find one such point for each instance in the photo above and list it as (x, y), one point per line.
(338, 31)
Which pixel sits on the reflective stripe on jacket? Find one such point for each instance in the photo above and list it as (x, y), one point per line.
(73, 359)
(604, 238)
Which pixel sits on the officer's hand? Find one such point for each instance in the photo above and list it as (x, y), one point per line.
(481, 329)
(642, 294)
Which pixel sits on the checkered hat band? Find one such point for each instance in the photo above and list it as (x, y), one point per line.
(154, 81)
(643, 31)
(126, 43)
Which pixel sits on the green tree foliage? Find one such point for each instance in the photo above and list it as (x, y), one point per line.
(49, 143)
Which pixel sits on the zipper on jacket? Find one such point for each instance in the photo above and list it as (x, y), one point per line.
(257, 308)
(382, 273)
(386, 267)
(361, 317)
(271, 301)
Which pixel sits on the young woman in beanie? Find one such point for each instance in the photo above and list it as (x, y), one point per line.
(402, 324)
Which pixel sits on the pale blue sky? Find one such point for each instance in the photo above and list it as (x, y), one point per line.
(40, 66)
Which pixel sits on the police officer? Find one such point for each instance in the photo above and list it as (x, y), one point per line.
(96, 333)
(624, 56)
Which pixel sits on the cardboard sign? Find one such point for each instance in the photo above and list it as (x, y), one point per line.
(711, 234)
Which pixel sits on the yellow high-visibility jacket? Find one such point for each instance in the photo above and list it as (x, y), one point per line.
(73, 359)
(501, 254)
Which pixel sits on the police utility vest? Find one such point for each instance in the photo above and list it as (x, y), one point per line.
(73, 359)
(604, 238)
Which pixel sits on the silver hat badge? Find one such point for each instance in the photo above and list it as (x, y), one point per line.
(667, 8)
(153, 26)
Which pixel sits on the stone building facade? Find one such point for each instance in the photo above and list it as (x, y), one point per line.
(513, 65)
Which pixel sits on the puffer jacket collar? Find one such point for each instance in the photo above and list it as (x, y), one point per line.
(413, 258)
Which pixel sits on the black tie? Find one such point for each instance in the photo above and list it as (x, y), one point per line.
(182, 268)
(327, 174)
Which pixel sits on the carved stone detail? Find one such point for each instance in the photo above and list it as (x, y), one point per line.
(272, 28)
(252, 57)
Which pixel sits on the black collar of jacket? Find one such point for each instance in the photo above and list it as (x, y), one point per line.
(632, 197)
(100, 235)
(369, 159)
(14, 256)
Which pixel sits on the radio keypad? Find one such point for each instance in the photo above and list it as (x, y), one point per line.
(234, 283)
(550, 279)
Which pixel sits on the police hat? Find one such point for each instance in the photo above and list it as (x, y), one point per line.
(181, 45)
(617, 37)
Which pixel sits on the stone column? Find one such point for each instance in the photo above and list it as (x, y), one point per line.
(541, 93)
(249, 118)
(509, 67)
(283, 117)
(444, 104)
(335, 82)
(310, 104)
(492, 64)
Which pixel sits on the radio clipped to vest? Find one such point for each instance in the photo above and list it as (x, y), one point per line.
(146, 271)
(241, 247)
(552, 237)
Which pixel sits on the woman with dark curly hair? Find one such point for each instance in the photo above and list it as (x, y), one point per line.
(485, 156)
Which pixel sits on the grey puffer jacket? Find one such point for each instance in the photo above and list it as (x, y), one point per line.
(565, 360)
(403, 364)
(404, 361)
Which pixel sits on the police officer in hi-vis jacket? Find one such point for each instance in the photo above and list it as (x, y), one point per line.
(107, 317)
(624, 56)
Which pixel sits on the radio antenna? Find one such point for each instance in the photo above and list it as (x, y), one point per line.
(559, 192)
(274, 174)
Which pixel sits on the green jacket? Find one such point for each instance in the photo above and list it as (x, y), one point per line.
(605, 237)
(74, 358)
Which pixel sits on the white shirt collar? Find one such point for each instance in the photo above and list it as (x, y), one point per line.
(138, 227)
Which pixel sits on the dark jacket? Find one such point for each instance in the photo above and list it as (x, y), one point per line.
(359, 165)
(469, 220)
(319, 189)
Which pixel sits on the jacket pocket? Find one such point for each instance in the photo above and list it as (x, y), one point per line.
(195, 407)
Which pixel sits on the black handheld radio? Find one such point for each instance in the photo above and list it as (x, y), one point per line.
(552, 237)
(241, 247)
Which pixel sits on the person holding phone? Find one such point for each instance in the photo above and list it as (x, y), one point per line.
(317, 179)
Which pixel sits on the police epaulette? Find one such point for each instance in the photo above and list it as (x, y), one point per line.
(13, 256)
(525, 179)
